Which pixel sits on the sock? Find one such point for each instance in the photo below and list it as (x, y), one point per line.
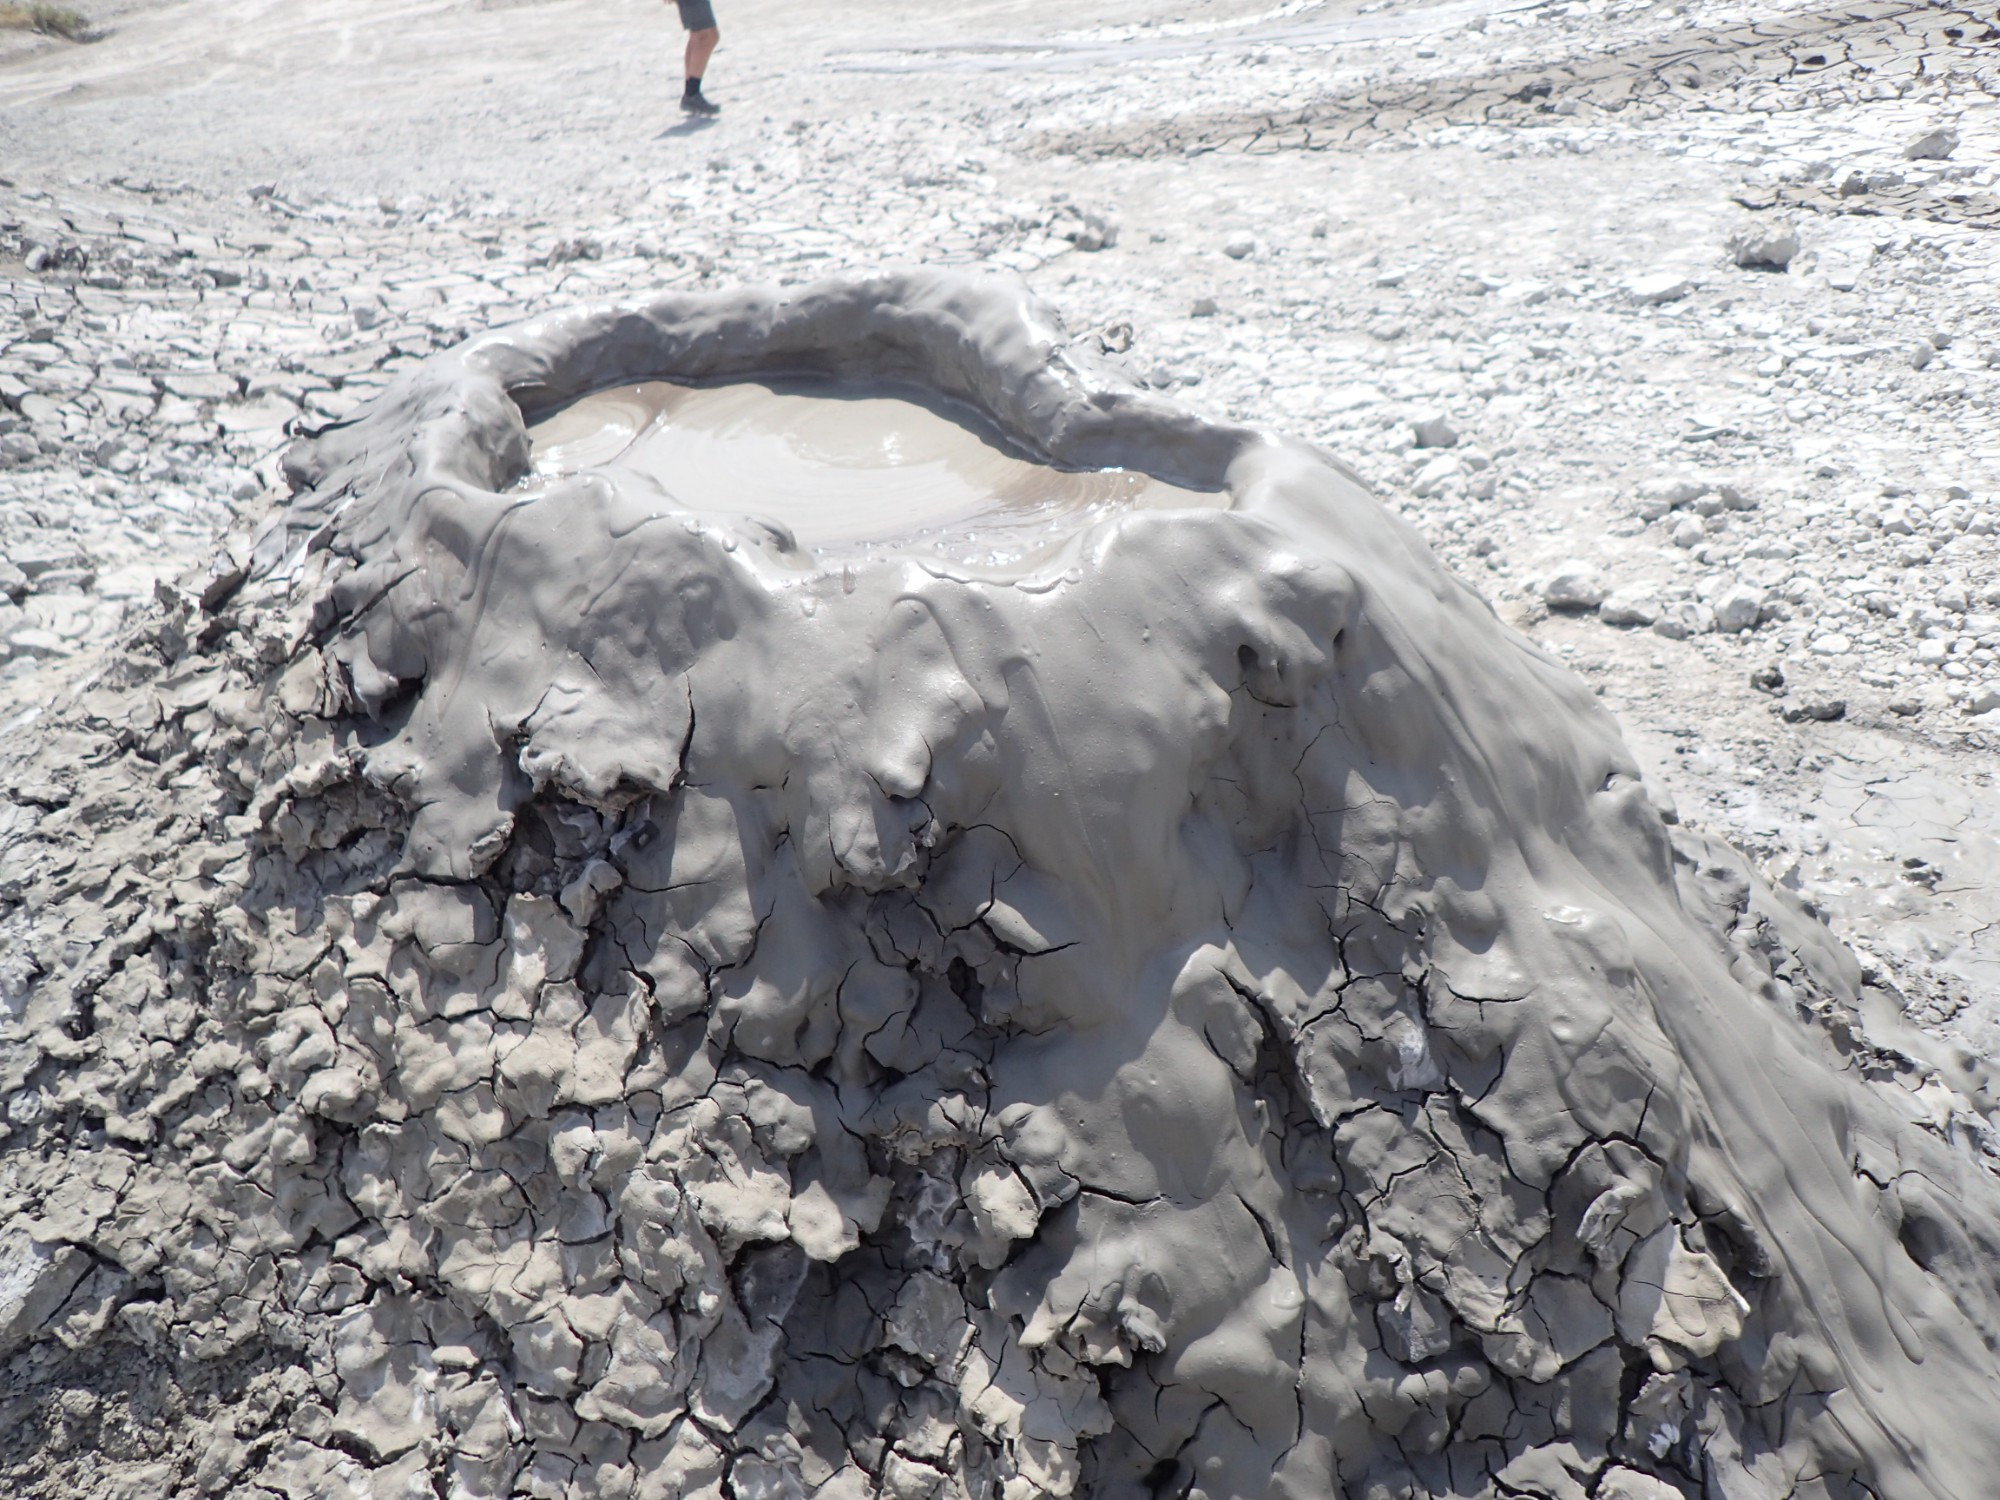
(693, 88)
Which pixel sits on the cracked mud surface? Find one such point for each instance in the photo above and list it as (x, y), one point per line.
(561, 999)
(214, 260)
(234, 1180)
(1757, 68)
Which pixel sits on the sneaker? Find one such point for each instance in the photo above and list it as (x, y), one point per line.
(699, 104)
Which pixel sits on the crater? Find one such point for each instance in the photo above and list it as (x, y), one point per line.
(844, 466)
(1263, 970)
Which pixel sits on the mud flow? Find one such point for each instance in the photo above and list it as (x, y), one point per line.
(844, 466)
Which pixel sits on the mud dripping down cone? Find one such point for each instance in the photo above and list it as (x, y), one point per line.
(1201, 1011)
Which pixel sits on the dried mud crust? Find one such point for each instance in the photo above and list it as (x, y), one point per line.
(1800, 62)
(535, 999)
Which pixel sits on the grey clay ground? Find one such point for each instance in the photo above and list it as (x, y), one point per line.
(1310, 224)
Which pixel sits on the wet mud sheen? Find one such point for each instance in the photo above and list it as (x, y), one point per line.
(1198, 1010)
(841, 464)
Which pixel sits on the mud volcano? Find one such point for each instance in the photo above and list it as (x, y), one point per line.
(1112, 974)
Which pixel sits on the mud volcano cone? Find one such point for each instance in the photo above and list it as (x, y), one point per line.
(1124, 981)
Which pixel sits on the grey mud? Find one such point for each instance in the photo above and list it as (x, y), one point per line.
(839, 465)
(621, 1004)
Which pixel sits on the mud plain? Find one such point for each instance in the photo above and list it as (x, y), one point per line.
(1331, 219)
(1381, 227)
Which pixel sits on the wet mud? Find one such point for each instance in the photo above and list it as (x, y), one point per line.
(840, 465)
(1212, 1012)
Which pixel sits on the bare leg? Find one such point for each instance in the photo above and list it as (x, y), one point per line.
(700, 44)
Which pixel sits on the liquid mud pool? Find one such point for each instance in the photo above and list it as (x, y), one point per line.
(842, 465)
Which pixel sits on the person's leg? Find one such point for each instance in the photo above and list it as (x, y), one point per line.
(698, 16)
(701, 45)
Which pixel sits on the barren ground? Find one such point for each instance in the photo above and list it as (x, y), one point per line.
(227, 219)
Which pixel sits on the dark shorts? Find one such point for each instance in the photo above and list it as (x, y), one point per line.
(697, 15)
